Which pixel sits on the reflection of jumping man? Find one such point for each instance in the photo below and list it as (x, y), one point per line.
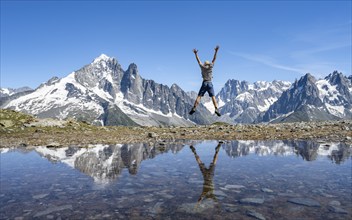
(208, 174)
(207, 85)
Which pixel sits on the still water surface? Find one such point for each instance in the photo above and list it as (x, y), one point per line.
(194, 180)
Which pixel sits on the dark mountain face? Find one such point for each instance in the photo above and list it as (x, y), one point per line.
(310, 99)
(244, 102)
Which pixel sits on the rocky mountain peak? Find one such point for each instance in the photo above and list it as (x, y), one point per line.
(102, 71)
(335, 78)
(307, 79)
(102, 57)
(233, 88)
(132, 69)
(52, 80)
(175, 87)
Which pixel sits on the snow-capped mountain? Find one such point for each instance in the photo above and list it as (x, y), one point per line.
(104, 94)
(242, 102)
(309, 99)
(336, 93)
(5, 92)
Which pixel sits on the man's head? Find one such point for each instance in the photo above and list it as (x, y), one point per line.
(206, 63)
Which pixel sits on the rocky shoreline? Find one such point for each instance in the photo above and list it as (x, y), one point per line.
(26, 130)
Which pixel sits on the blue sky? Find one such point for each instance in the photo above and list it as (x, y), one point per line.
(259, 40)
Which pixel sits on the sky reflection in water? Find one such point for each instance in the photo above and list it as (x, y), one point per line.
(237, 179)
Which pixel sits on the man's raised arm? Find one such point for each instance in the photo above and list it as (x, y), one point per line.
(216, 51)
(195, 51)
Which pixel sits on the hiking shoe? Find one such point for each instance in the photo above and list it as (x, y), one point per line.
(217, 112)
(192, 111)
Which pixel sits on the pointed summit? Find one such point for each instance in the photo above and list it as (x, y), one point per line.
(100, 58)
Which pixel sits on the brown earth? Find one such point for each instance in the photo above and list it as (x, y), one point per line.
(29, 131)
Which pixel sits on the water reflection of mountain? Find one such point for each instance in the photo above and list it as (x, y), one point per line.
(105, 162)
(308, 150)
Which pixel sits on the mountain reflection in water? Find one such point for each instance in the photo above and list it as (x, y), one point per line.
(178, 180)
(308, 150)
(104, 163)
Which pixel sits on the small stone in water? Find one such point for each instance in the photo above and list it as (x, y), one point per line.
(305, 202)
(234, 186)
(219, 193)
(334, 203)
(336, 209)
(252, 201)
(267, 190)
(40, 196)
(255, 214)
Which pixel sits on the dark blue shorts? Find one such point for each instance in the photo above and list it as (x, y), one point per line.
(207, 86)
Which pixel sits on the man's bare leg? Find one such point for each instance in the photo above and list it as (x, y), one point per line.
(216, 106)
(214, 102)
(196, 103)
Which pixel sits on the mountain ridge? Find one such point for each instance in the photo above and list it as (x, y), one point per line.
(103, 93)
(102, 88)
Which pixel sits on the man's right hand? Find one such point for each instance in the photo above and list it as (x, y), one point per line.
(217, 48)
(195, 51)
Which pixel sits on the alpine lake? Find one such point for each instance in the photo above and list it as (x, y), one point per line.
(178, 180)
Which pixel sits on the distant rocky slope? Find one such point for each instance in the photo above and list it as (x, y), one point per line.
(8, 94)
(5, 92)
(309, 99)
(243, 102)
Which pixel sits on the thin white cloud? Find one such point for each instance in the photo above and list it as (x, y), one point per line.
(322, 39)
(322, 34)
(320, 49)
(268, 61)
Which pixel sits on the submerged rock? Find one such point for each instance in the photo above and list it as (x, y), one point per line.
(337, 209)
(40, 196)
(193, 208)
(255, 214)
(334, 203)
(52, 209)
(267, 190)
(219, 193)
(304, 201)
(234, 187)
(252, 201)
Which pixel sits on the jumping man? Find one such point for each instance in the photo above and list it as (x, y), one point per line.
(207, 85)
